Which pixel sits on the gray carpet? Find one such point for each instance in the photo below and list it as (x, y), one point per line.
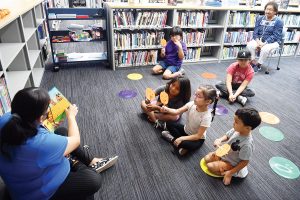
(147, 169)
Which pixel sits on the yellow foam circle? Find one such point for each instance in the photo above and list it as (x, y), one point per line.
(135, 76)
(269, 118)
(205, 169)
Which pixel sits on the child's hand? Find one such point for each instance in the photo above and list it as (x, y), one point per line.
(232, 98)
(71, 111)
(178, 43)
(227, 177)
(178, 141)
(164, 109)
(147, 101)
(151, 107)
(217, 142)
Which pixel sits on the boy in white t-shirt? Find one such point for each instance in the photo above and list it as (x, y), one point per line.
(241, 142)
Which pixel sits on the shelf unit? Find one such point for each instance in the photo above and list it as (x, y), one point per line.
(21, 61)
(65, 24)
(218, 23)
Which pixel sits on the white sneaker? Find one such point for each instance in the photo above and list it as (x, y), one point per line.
(181, 72)
(242, 100)
(242, 173)
(167, 136)
(104, 164)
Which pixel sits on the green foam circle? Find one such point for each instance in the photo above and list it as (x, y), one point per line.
(271, 133)
(284, 167)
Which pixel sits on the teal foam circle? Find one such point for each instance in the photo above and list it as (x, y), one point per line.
(271, 133)
(284, 167)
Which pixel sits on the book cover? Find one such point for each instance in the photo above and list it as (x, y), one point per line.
(56, 111)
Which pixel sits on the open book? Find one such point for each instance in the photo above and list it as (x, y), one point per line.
(56, 111)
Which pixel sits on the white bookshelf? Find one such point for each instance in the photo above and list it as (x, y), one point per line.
(17, 80)
(219, 24)
(21, 61)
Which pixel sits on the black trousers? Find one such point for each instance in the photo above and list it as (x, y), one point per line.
(177, 130)
(225, 94)
(82, 181)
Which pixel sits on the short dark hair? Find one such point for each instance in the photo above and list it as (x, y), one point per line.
(176, 30)
(273, 4)
(249, 117)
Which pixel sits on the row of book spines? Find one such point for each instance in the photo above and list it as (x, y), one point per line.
(292, 36)
(242, 18)
(143, 18)
(290, 20)
(238, 37)
(129, 40)
(199, 19)
(193, 54)
(136, 58)
(289, 49)
(5, 103)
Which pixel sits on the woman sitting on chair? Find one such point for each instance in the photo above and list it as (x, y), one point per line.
(267, 35)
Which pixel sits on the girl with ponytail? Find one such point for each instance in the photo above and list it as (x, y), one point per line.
(192, 135)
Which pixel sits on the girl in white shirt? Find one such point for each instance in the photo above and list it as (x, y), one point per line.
(191, 136)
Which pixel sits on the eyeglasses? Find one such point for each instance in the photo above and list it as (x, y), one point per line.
(198, 95)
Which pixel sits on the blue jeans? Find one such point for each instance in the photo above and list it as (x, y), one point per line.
(172, 68)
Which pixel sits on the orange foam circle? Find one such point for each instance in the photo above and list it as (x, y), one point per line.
(269, 118)
(208, 75)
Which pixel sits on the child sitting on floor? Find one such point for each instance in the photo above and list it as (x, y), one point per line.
(173, 54)
(191, 136)
(179, 92)
(239, 75)
(241, 141)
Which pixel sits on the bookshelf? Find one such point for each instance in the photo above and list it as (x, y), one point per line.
(212, 34)
(70, 26)
(21, 60)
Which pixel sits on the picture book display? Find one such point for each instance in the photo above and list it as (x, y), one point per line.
(56, 110)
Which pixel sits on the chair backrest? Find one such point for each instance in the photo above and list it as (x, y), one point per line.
(284, 30)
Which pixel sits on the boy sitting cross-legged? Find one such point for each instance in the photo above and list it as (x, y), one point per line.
(241, 141)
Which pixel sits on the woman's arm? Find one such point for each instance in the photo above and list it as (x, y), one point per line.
(73, 131)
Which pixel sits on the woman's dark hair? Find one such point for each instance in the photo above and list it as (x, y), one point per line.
(26, 107)
(185, 88)
(273, 4)
(210, 93)
(176, 30)
(249, 117)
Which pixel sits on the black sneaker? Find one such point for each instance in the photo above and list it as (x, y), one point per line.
(256, 68)
(104, 164)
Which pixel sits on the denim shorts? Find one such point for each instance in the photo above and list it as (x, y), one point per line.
(171, 67)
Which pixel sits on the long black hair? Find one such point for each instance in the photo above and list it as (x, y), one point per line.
(210, 93)
(185, 88)
(27, 107)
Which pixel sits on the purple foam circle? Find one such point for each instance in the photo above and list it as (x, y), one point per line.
(127, 94)
(220, 110)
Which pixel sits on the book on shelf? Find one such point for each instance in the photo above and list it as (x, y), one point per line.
(136, 58)
(5, 102)
(139, 39)
(192, 18)
(126, 19)
(241, 36)
(56, 112)
(193, 54)
(193, 38)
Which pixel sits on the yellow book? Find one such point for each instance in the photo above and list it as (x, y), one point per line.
(56, 111)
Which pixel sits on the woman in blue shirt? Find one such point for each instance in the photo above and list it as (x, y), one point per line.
(33, 161)
(267, 35)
